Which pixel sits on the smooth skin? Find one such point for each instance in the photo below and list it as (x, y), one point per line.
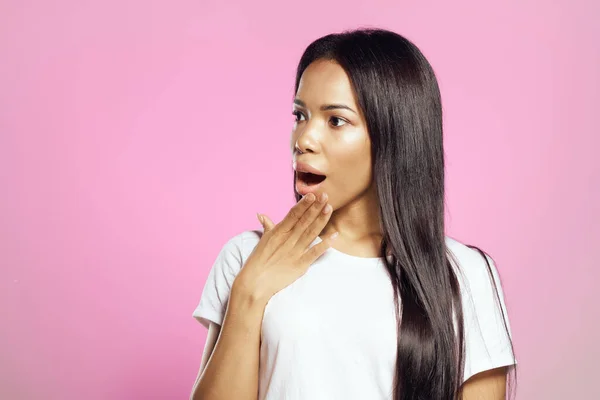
(330, 134)
(336, 141)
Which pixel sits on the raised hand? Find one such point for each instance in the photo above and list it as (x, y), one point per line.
(282, 254)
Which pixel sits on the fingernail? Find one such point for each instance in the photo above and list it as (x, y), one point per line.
(333, 236)
(327, 209)
(260, 218)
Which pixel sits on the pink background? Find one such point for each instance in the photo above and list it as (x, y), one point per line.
(136, 137)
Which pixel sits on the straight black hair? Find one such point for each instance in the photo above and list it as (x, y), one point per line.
(398, 93)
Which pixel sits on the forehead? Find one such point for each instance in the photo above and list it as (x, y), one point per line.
(325, 81)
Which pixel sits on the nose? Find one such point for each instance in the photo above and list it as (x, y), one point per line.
(307, 141)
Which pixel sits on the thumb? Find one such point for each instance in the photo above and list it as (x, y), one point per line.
(265, 222)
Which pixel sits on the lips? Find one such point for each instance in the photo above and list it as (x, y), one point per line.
(308, 178)
(304, 167)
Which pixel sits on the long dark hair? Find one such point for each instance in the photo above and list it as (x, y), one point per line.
(399, 95)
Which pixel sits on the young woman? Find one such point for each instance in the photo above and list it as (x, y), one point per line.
(391, 308)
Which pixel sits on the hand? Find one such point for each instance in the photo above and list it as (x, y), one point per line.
(281, 255)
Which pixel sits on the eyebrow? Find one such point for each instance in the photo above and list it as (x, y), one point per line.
(326, 107)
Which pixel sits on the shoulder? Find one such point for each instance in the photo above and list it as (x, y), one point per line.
(477, 275)
(480, 286)
(487, 331)
(471, 266)
(466, 255)
(241, 245)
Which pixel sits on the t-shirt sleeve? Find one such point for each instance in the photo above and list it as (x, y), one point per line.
(487, 339)
(215, 295)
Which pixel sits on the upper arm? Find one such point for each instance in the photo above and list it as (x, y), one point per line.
(486, 385)
(217, 288)
(211, 340)
(487, 332)
(210, 311)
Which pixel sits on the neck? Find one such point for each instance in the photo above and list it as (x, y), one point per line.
(358, 224)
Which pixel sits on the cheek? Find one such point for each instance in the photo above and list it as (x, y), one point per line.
(360, 168)
(353, 169)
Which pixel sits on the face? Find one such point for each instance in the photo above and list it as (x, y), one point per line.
(330, 136)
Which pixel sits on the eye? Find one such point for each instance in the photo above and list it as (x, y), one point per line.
(339, 119)
(298, 114)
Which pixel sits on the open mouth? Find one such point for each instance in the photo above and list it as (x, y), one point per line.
(310, 179)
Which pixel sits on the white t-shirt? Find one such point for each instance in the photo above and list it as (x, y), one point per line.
(331, 334)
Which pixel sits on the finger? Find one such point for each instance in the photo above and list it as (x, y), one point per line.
(296, 213)
(309, 217)
(311, 255)
(313, 230)
(267, 224)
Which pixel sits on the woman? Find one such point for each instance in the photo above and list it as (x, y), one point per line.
(295, 312)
